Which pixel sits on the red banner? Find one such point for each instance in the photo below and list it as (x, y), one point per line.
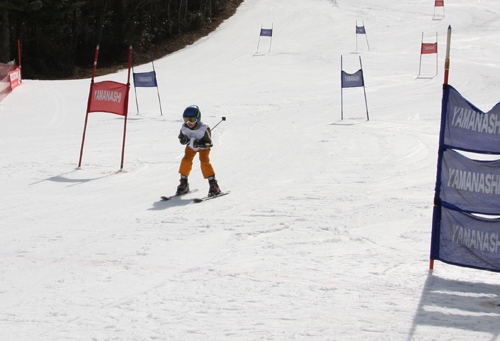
(429, 48)
(439, 3)
(15, 78)
(109, 96)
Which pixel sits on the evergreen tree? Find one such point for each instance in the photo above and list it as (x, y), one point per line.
(59, 36)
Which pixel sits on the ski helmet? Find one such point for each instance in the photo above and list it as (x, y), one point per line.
(192, 112)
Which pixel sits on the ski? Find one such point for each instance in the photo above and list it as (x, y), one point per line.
(165, 198)
(198, 200)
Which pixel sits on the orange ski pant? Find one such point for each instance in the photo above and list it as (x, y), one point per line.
(187, 162)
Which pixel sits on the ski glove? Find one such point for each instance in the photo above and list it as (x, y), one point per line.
(184, 139)
(199, 144)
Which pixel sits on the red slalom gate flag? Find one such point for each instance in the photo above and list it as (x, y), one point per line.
(109, 96)
(429, 48)
(439, 3)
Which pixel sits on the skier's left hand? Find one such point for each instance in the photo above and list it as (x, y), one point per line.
(199, 144)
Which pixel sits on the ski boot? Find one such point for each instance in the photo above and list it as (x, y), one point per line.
(214, 187)
(183, 187)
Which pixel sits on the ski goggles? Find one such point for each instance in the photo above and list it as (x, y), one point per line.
(190, 119)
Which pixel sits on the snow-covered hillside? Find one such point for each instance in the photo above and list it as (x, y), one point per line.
(326, 232)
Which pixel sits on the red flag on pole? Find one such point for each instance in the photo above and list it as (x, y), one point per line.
(108, 96)
(429, 48)
(438, 3)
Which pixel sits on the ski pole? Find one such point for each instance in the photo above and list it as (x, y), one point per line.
(223, 119)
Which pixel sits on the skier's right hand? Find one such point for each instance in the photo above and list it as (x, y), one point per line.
(184, 139)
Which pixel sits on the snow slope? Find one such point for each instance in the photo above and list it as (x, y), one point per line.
(326, 232)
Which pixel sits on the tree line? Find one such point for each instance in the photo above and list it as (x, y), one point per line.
(58, 37)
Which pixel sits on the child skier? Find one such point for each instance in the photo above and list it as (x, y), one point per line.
(197, 137)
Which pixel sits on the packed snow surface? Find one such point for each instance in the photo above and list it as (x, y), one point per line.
(326, 232)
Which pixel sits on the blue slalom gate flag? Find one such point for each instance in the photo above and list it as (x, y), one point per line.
(470, 185)
(466, 214)
(468, 128)
(352, 80)
(266, 32)
(468, 240)
(360, 30)
(145, 79)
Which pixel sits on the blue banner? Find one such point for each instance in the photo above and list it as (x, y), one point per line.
(470, 185)
(266, 32)
(352, 80)
(360, 30)
(145, 79)
(469, 240)
(468, 128)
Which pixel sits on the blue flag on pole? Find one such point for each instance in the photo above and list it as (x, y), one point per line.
(145, 79)
(470, 185)
(466, 215)
(468, 128)
(469, 240)
(360, 30)
(266, 32)
(352, 80)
